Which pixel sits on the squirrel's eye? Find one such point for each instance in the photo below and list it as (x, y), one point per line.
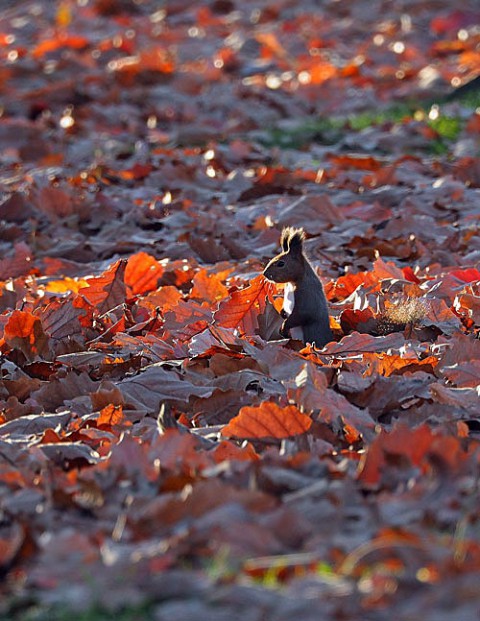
(280, 263)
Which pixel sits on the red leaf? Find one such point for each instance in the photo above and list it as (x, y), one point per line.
(360, 320)
(107, 290)
(409, 274)
(268, 420)
(468, 275)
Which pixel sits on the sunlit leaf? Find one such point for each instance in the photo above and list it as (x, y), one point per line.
(267, 420)
(110, 415)
(208, 287)
(24, 331)
(243, 307)
(142, 273)
(108, 290)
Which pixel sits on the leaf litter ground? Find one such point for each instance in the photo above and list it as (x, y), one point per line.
(160, 451)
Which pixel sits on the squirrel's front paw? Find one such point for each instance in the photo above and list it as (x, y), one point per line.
(283, 314)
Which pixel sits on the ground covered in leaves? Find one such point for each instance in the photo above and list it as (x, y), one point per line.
(162, 454)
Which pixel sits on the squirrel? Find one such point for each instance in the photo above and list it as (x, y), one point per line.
(309, 310)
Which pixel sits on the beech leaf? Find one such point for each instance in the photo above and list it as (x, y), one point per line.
(24, 331)
(268, 420)
(142, 273)
(242, 308)
(107, 290)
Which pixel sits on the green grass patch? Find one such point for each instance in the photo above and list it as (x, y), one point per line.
(330, 130)
(447, 127)
(94, 613)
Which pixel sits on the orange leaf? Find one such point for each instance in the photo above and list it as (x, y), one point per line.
(208, 287)
(243, 307)
(24, 331)
(65, 285)
(110, 415)
(52, 45)
(268, 420)
(165, 298)
(351, 434)
(225, 450)
(321, 72)
(142, 273)
(269, 41)
(384, 364)
(360, 162)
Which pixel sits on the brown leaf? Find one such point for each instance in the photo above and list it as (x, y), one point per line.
(415, 445)
(268, 420)
(106, 394)
(17, 265)
(55, 202)
(35, 424)
(11, 539)
(149, 388)
(59, 390)
(311, 391)
(356, 343)
(60, 319)
(464, 374)
(70, 454)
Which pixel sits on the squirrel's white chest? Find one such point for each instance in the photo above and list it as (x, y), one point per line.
(288, 305)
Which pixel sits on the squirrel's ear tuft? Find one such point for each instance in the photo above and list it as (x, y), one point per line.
(292, 239)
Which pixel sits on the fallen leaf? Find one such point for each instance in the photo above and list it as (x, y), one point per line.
(142, 273)
(24, 331)
(110, 415)
(242, 308)
(268, 420)
(107, 290)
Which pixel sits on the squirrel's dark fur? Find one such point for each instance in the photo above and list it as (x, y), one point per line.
(310, 310)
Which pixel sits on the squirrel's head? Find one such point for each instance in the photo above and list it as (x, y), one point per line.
(289, 265)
